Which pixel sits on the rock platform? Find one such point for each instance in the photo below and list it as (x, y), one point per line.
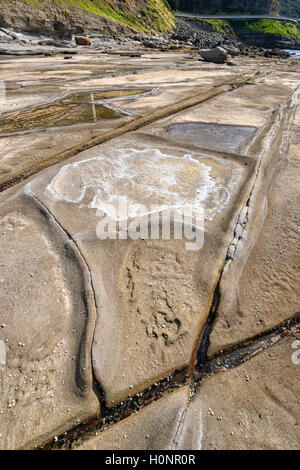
(141, 343)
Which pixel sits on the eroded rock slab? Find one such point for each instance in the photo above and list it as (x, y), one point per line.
(47, 318)
(254, 406)
(152, 295)
(261, 287)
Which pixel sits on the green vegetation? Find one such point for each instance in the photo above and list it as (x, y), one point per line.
(155, 15)
(230, 28)
(286, 29)
(160, 15)
(221, 26)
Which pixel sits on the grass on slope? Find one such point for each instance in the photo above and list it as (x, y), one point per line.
(221, 26)
(286, 29)
(156, 16)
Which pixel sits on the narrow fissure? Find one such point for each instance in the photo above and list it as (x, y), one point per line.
(241, 352)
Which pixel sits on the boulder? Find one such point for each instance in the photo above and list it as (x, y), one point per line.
(82, 41)
(217, 55)
(232, 50)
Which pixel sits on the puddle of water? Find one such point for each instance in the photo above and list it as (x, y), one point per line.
(56, 115)
(102, 95)
(77, 108)
(219, 137)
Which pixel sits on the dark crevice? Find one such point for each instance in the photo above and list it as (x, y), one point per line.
(110, 416)
(241, 352)
(201, 356)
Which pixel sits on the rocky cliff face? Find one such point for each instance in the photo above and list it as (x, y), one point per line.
(65, 17)
(227, 6)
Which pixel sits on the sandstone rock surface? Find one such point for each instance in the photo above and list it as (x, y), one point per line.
(45, 379)
(88, 319)
(152, 295)
(254, 406)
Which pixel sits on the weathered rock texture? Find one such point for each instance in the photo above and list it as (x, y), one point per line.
(137, 313)
(46, 382)
(255, 406)
(218, 55)
(158, 426)
(65, 18)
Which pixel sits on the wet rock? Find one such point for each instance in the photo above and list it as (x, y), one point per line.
(82, 41)
(213, 136)
(217, 55)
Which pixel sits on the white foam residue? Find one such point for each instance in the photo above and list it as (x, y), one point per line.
(146, 177)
